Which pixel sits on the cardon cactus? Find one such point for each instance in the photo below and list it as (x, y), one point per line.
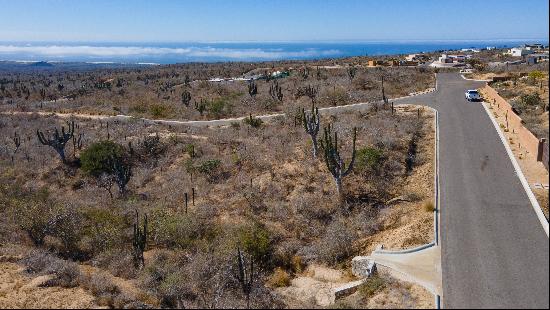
(139, 241)
(57, 141)
(311, 124)
(334, 162)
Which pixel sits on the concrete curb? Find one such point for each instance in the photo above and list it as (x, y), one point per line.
(407, 251)
(437, 298)
(519, 173)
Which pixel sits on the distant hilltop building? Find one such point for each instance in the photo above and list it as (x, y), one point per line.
(473, 50)
(535, 46)
(520, 51)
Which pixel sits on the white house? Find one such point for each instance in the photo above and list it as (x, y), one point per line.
(519, 51)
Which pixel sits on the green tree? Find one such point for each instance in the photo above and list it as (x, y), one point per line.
(98, 158)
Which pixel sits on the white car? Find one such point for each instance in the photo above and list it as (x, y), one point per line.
(472, 95)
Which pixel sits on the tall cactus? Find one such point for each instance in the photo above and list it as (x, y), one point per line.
(186, 97)
(245, 276)
(334, 162)
(57, 141)
(311, 124)
(139, 241)
(122, 171)
(352, 71)
(17, 143)
(276, 91)
(201, 107)
(252, 89)
(383, 93)
(311, 92)
(304, 72)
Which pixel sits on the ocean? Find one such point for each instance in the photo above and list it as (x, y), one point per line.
(170, 53)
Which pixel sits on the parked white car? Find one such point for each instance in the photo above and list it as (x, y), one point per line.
(472, 95)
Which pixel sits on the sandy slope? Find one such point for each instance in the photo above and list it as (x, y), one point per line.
(18, 291)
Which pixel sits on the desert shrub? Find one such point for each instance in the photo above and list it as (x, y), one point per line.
(103, 288)
(256, 241)
(118, 261)
(369, 158)
(104, 229)
(372, 285)
(531, 100)
(253, 122)
(209, 167)
(428, 206)
(140, 108)
(164, 276)
(536, 75)
(336, 96)
(279, 278)
(337, 243)
(151, 147)
(98, 157)
(159, 111)
(66, 273)
(184, 231)
(37, 218)
(284, 255)
(67, 230)
(217, 107)
(191, 150)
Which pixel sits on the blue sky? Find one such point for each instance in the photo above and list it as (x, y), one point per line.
(283, 20)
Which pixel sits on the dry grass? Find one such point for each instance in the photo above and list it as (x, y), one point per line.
(265, 194)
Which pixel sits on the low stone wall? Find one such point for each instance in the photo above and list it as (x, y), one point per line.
(514, 123)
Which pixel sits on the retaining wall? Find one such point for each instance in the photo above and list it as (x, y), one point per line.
(528, 141)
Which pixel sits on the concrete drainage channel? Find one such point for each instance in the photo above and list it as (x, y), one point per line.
(421, 265)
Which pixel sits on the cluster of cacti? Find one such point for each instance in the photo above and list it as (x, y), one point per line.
(77, 140)
(276, 91)
(17, 143)
(200, 106)
(318, 73)
(245, 276)
(186, 199)
(335, 163)
(252, 89)
(253, 121)
(311, 124)
(304, 73)
(187, 80)
(57, 141)
(352, 71)
(139, 241)
(43, 93)
(122, 171)
(311, 92)
(186, 97)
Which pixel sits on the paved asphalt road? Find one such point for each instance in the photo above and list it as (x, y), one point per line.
(494, 249)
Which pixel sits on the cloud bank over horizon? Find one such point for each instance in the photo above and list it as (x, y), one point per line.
(190, 52)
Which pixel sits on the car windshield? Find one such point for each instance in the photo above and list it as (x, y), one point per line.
(473, 92)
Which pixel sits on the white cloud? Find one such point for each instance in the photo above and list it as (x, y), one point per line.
(135, 51)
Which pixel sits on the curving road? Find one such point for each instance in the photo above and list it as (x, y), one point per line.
(494, 249)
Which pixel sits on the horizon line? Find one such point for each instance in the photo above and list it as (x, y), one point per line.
(278, 41)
